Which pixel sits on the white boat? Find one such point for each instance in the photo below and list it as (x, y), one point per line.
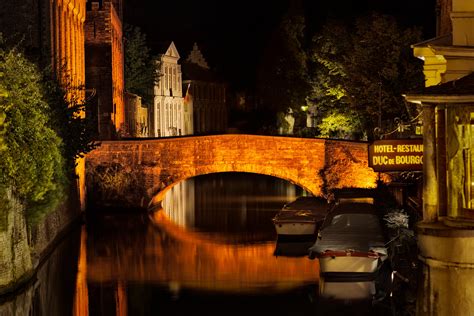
(301, 217)
(350, 241)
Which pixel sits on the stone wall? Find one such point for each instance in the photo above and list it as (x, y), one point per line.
(15, 255)
(130, 173)
(22, 247)
(53, 279)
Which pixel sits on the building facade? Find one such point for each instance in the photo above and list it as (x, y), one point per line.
(446, 234)
(52, 32)
(104, 55)
(136, 116)
(169, 116)
(207, 94)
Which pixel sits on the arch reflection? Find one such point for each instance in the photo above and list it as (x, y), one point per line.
(229, 204)
(213, 233)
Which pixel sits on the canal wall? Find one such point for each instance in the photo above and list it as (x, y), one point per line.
(130, 173)
(23, 247)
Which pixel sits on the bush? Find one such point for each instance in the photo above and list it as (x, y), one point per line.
(31, 165)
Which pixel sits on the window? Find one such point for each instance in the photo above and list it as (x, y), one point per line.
(174, 79)
(460, 160)
(170, 82)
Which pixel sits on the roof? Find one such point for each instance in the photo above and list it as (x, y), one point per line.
(193, 71)
(161, 47)
(455, 91)
(461, 86)
(444, 40)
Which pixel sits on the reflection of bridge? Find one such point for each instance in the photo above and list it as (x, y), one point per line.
(172, 256)
(149, 166)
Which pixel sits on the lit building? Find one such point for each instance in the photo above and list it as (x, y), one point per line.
(104, 55)
(446, 234)
(207, 94)
(52, 31)
(136, 116)
(169, 116)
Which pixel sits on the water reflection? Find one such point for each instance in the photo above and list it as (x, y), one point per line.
(292, 248)
(208, 252)
(347, 290)
(51, 291)
(229, 203)
(215, 234)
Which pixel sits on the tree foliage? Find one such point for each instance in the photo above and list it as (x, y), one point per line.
(283, 75)
(141, 69)
(67, 116)
(32, 166)
(362, 69)
(43, 133)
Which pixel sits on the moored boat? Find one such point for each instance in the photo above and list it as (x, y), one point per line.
(350, 241)
(301, 217)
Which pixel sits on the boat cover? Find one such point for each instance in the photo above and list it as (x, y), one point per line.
(304, 209)
(353, 195)
(352, 226)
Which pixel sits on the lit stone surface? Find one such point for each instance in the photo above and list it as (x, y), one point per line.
(156, 164)
(15, 257)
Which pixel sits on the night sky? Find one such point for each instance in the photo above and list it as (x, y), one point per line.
(232, 34)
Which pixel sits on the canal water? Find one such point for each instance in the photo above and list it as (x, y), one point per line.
(211, 249)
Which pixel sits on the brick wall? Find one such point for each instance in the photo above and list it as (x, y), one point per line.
(104, 66)
(153, 165)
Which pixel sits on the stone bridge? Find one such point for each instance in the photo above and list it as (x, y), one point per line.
(129, 173)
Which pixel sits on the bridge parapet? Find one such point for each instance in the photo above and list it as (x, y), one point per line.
(129, 173)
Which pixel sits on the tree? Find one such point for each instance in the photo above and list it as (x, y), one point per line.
(328, 98)
(141, 69)
(42, 132)
(283, 81)
(363, 68)
(67, 116)
(32, 165)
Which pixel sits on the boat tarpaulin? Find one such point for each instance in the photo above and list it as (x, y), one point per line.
(350, 227)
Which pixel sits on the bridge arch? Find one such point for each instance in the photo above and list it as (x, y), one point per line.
(160, 194)
(155, 164)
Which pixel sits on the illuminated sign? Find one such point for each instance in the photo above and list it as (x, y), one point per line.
(396, 155)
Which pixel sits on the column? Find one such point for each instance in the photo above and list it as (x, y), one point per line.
(441, 159)
(430, 180)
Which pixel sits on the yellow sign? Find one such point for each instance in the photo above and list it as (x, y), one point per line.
(396, 155)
